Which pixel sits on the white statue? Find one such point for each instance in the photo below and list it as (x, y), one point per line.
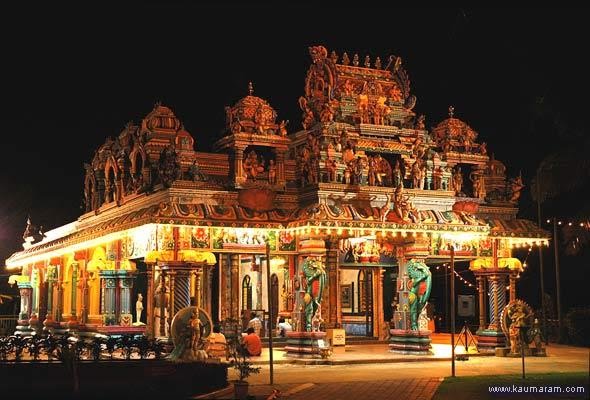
(139, 309)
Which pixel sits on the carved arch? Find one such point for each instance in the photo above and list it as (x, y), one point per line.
(133, 156)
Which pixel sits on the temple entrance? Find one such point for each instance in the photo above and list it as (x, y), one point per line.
(389, 278)
(356, 301)
(365, 284)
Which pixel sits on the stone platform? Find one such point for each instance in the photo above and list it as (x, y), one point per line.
(488, 340)
(404, 341)
(305, 344)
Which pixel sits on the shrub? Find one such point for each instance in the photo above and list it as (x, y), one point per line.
(577, 322)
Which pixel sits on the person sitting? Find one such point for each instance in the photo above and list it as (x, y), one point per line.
(255, 323)
(216, 345)
(252, 343)
(284, 327)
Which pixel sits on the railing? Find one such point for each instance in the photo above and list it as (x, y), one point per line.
(7, 324)
(67, 347)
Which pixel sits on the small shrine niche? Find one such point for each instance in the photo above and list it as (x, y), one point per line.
(257, 142)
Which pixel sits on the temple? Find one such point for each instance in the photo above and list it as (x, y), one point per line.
(364, 192)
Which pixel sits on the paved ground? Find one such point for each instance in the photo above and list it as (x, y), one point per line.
(411, 389)
(382, 375)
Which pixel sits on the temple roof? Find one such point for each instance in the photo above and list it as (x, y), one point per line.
(453, 127)
(161, 119)
(516, 228)
(251, 114)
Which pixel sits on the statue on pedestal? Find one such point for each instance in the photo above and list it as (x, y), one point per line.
(187, 331)
(138, 309)
(421, 278)
(315, 281)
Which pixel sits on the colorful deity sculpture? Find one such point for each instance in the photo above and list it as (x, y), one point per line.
(418, 272)
(315, 280)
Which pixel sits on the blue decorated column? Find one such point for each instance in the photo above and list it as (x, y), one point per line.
(108, 305)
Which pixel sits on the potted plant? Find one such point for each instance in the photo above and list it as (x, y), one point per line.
(239, 361)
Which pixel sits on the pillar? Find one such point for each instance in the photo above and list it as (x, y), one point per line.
(25, 290)
(150, 316)
(482, 305)
(512, 286)
(280, 163)
(404, 339)
(162, 305)
(108, 304)
(199, 289)
(239, 177)
(182, 296)
(125, 303)
(60, 296)
(378, 318)
(74, 292)
(235, 288)
(497, 300)
(207, 300)
(224, 292)
(171, 303)
(331, 307)
(51, 281)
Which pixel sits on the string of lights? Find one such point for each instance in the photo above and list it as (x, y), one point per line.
(463, 280)
(582, 223)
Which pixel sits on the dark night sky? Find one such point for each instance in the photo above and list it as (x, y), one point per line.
(72, 77)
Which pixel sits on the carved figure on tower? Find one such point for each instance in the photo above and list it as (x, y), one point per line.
(330, 165)
(457, 181)
(169, 167)
(516, 187)
(417, 175)
(479, 188)
(272, 172)
(252, 166)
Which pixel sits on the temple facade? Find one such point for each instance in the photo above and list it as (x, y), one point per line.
(364, 188)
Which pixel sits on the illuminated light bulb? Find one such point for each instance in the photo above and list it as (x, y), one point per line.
(582, 224)
(548, 220)
(383, 233)
(404, 233)
(350, 232)
(339, 231)
(328, 231)
(559, 223)
(317, 231)
(570, 224)
(414, 234)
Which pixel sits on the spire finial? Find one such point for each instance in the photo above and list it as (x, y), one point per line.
(451, 111)
(250, 88)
